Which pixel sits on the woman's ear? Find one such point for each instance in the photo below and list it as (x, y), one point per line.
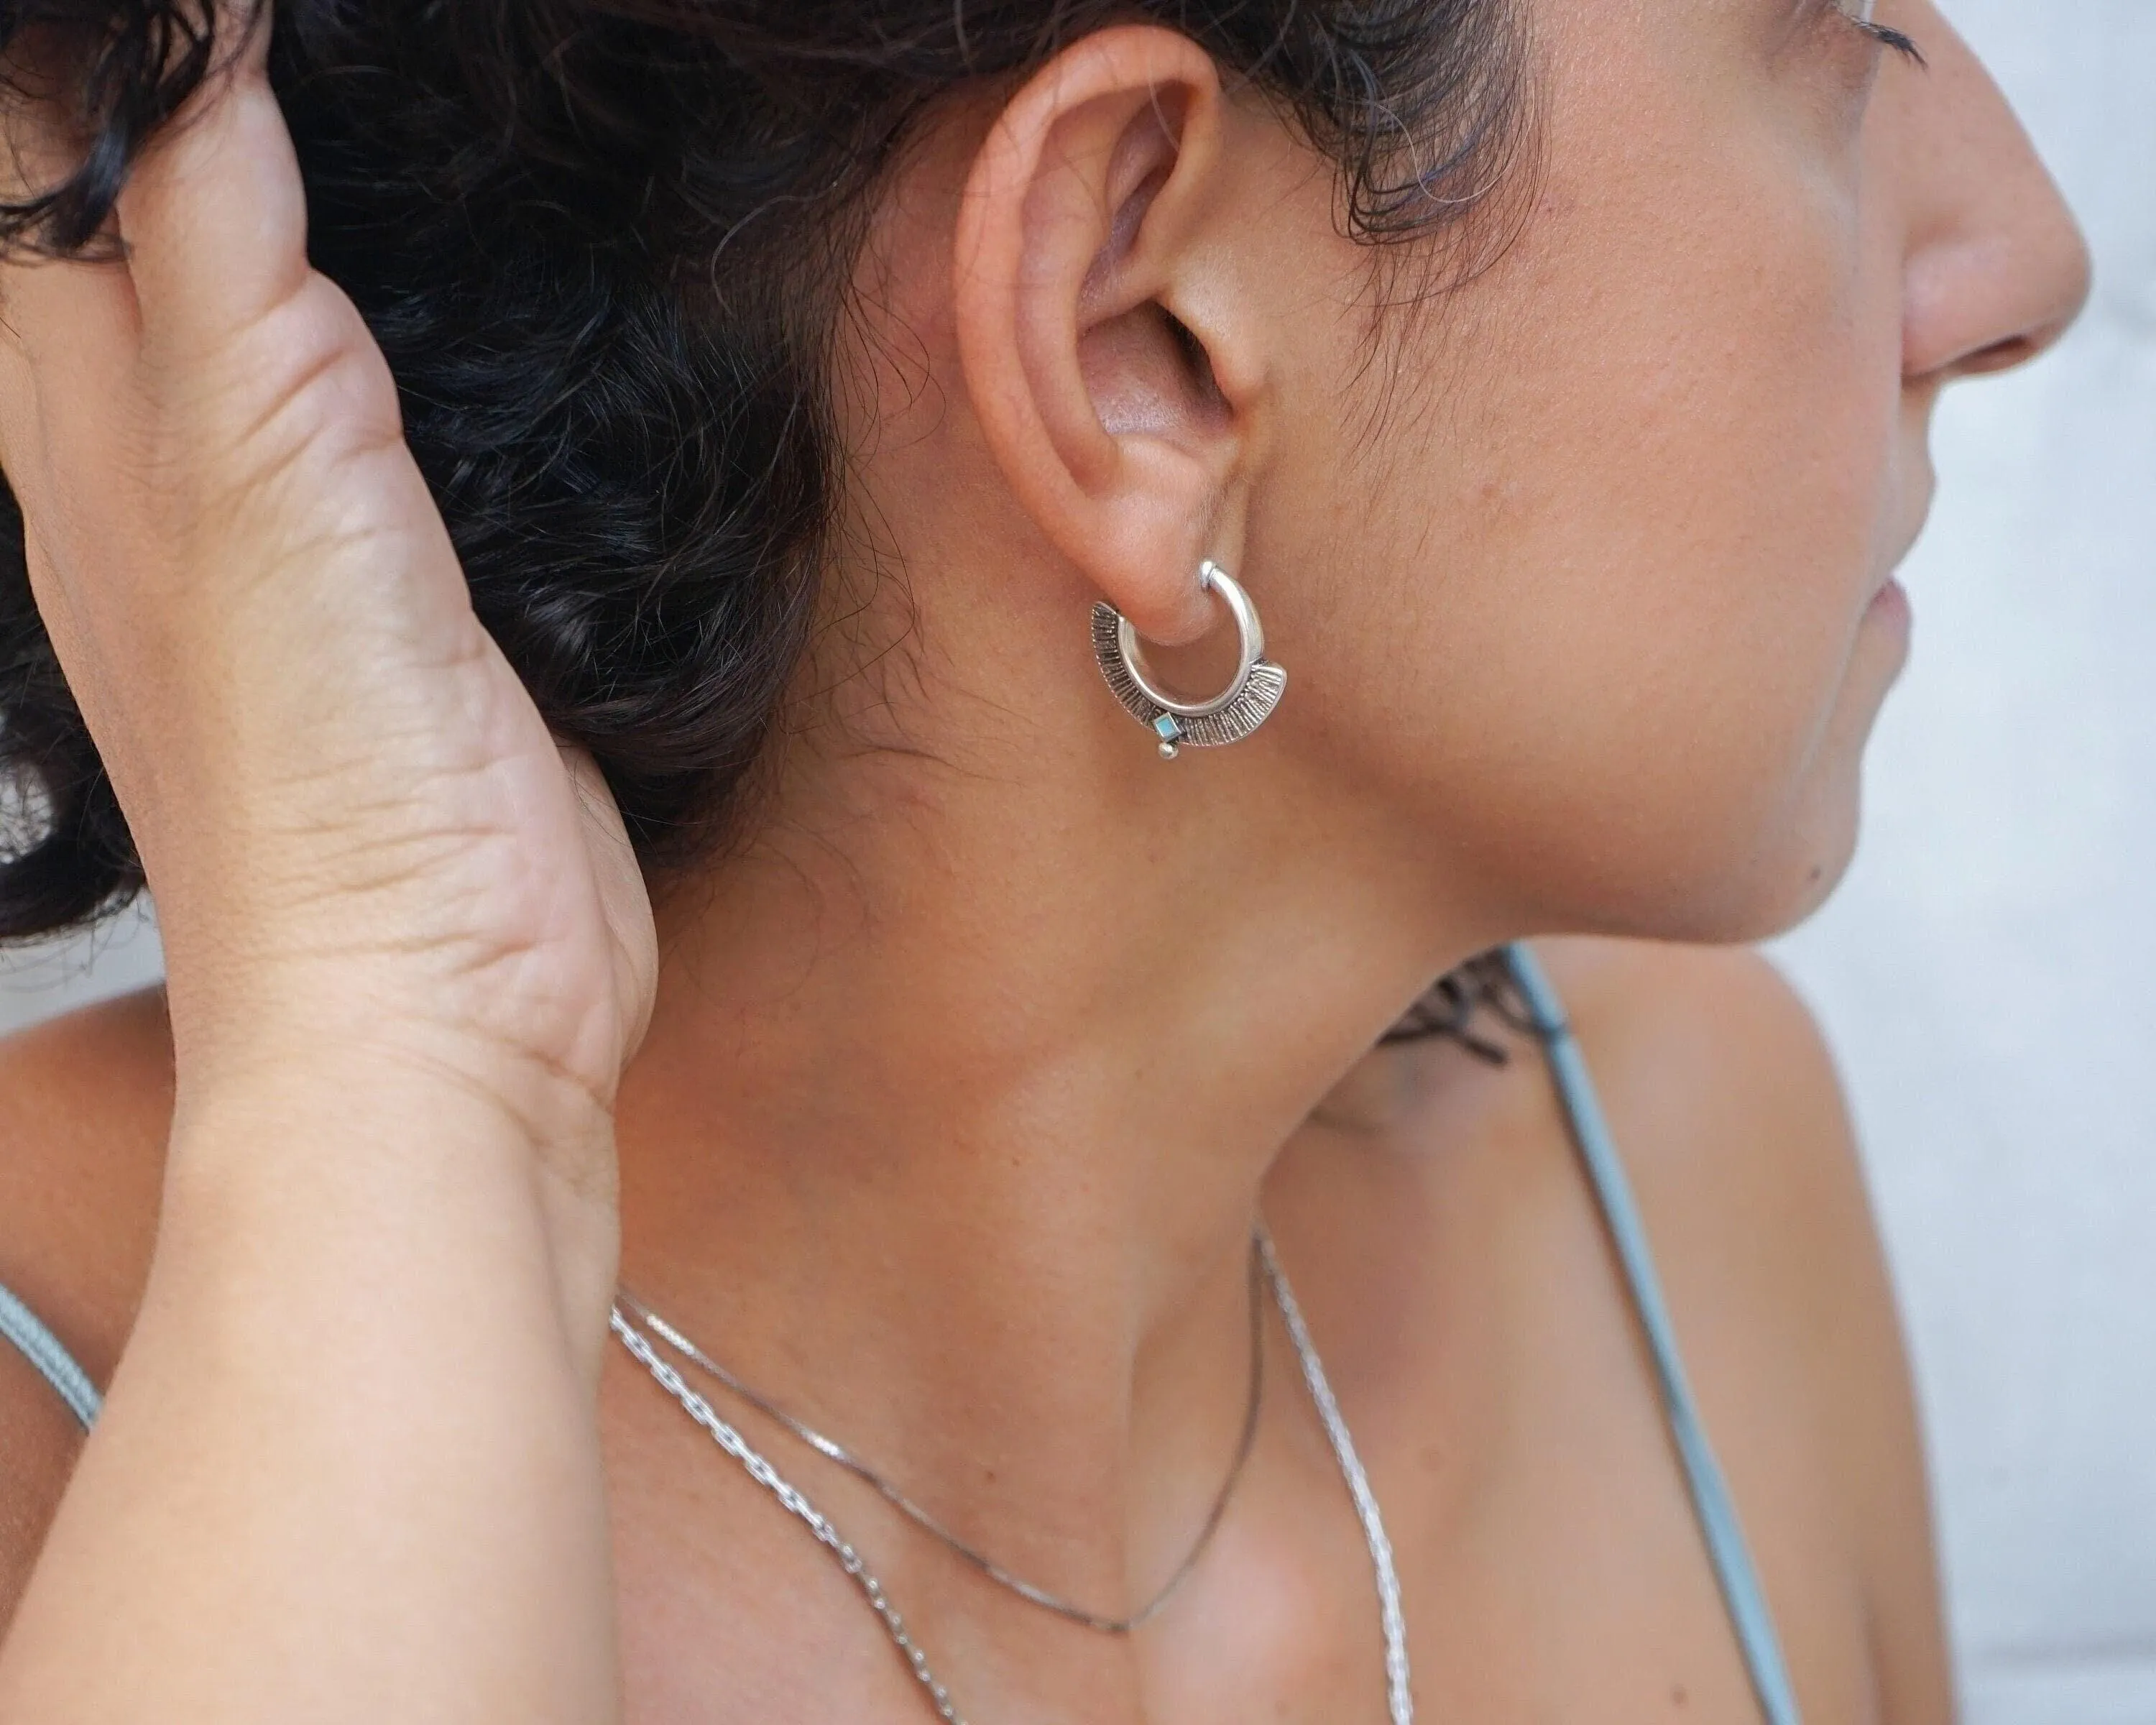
(1107, 372)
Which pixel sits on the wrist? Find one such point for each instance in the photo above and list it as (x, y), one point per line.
(349, 1171)
(393, 1035)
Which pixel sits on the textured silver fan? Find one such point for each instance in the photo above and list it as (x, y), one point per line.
(1229, 717)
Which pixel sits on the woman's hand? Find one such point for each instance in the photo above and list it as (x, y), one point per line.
(348, 1467)
(361, 839)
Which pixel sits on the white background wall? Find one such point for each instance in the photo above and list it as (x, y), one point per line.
(1989, 972)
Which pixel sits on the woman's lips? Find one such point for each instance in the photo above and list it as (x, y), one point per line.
(1890, 594)
(1890, 606)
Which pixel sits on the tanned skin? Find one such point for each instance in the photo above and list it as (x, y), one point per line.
(945, 1104)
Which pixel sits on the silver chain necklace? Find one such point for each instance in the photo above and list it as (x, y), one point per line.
(1398, 1695)
(1102, 1622)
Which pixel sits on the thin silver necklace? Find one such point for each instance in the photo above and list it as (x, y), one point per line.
(1101, 1621)
(1398, 1694)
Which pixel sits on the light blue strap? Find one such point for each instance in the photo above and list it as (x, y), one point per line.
(1710, 1492)
(20, 1325)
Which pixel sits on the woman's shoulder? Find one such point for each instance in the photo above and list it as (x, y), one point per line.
(1724, 1100)
(85, 1107)
(1727, 1109)
(1722, 1095)
(1451, 1188)
(88, 1106)
(1719, 1089)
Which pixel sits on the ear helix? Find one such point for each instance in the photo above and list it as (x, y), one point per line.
(1229, 716)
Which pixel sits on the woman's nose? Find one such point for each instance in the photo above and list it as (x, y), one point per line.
(1996, 267)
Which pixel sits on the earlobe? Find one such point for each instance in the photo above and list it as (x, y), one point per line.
(1086, 214)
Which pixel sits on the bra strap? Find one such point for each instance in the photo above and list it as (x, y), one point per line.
(1726, 1547)
(38, 1345)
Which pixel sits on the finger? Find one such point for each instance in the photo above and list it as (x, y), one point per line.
(214, 215)
(63, 315)
(74, 326)
(69, 335)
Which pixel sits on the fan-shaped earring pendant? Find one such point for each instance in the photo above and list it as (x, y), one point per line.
(1229, 717)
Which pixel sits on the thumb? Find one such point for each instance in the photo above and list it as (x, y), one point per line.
(213, 214)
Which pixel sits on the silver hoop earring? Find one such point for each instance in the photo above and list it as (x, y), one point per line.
(1229, 716)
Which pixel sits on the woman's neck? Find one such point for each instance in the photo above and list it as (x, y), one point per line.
(950, 1129)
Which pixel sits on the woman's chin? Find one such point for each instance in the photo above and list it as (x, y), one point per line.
(1817, 862)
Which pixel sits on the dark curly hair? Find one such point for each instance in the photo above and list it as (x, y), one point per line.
(603, 245)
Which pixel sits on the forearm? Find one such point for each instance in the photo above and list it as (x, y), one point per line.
(348, 1469)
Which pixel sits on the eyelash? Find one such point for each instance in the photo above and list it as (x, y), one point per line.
(1899, 41)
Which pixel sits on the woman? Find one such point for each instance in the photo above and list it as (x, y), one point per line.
(782, 389)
